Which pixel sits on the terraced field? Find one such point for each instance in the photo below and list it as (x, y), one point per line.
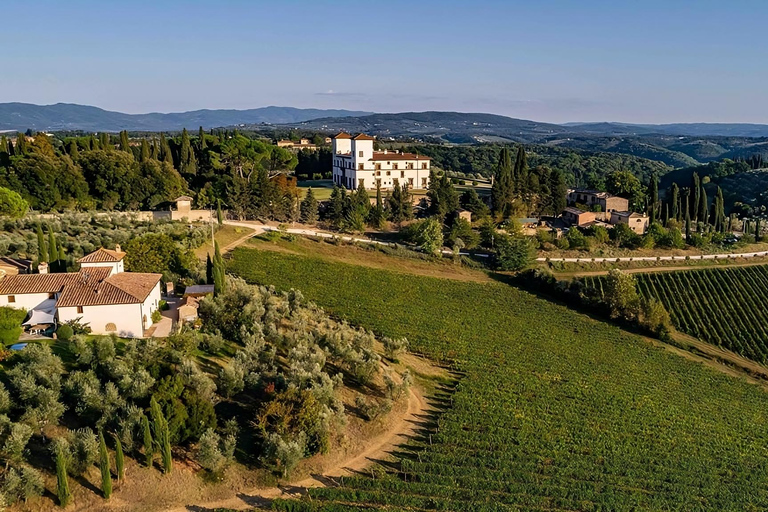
(727, 307)
(554, 411)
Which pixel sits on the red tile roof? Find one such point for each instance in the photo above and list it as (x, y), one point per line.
(362, 136)
(35, 283)
(102, 255)
(380, 156)
(342, 135)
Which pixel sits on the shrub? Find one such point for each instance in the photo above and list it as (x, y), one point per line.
(513, 253)
(156, 316)
(10, 324)
(64, 332)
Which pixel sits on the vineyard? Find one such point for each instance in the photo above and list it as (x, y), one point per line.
(725, 306)
(554, 411)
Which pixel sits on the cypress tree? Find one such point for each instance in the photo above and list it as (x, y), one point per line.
(155, 151)
(720, 210)
(653, 193)
(125, 144)
(53, 253)
(165, 449)
(3, 145)
(62, 259)
(687, 219)
(666, 214)
(219, 274)
(675, 199)
(119, 460)
(703, 205)
(208, 269)
(165, 150)
(104, 141)
(696, 188)
(377, 213)
(11, 151)
(503, 186)
(149, 446)
(42, 252)
(201, 139)
(336, 210)
(521, 171)
(144, 154)
(106, 476)
(62, 482)
(219, 215)
(758, 236)
(309, 208)
(187, 163)
(21, 144)
(72, 150)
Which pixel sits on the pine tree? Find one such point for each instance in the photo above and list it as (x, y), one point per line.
(125, 144)
(309, 208)
(42, 252)
(219, 215)
(144, 153)
(119, 460)
(62, 482)
(106, 476)
(674, 200)
(703, 205)
(149, 446)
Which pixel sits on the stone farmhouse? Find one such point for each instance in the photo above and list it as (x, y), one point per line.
(611, 210)
(101, 294)
(356, 163)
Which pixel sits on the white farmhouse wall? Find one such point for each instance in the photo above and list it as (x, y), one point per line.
(116, 266)
(342, 146)
(126, 317)
(151, 304)
(25, 300)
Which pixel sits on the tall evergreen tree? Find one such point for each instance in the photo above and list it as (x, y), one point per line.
(106, 475)
(503, 187)
(119, 460)
(144, 153)
(558, 191)
(72, 150)
(187, 163)
(336, 207)
(61, 258)
(674, 200)
(400, 208)
(208, 269)
(696, 189)
(105, 141)
(21, 144)
(201, 139)
(219, 273)
(53, 253)
(521, 171)
(62, 481)
(653, 198)
(147, 441)
(165, 150)
(219, 214)
(703, 205)
(125, 144)
(309, 208)
(42, 252)
(687, 218)
(4, 146)
(377, 215)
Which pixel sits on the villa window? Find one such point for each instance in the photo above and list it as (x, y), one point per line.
(79, 310)
(423, 182)
(360, 154)
(394, 166)
(388, 173)
(410, 182)
(424, 165)
(409, 166)
(402, 174)
(359, 167)
(378, 166)
(378, 173)
(11, 299)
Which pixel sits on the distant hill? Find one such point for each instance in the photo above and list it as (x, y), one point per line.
(457, 127)
(689, 129)
(67, 116)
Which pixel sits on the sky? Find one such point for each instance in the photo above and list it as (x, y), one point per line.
(648, 61)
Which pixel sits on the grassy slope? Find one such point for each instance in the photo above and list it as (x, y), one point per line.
(579, 415)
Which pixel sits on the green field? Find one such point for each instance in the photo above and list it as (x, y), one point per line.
(723, 306)
(554, 410)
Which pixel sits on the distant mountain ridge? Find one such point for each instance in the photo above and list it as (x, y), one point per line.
(682, 129)
(69, 116)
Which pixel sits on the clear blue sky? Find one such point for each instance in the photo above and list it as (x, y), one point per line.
(557, 61)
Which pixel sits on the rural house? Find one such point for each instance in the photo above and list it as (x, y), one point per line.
(592, 198)
(101, 294)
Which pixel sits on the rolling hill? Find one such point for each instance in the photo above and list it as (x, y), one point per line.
(67, 116)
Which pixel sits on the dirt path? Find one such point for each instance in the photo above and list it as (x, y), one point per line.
(379, 447)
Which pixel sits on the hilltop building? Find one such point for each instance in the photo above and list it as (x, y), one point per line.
(296, 146)
(356, 163)
(592, 198)
(101, 295)
(637, 222)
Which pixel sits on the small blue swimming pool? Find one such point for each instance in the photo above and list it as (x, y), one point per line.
(18, 346)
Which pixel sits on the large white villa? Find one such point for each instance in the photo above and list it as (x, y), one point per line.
(101, 295)
(355, 163)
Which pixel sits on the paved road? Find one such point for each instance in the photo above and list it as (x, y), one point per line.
(260, 228)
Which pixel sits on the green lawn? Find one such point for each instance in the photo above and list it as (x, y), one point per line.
(554, 410)
(321, 188)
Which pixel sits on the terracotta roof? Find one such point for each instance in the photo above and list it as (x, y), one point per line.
(95, 290)
(362, 136)
(35, 283)
(379, 156)
(18, 263)
(342, 135)
(102, 255)
(632, 215)
(574, 211)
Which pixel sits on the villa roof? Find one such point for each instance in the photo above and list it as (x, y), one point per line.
(102, 255)
(342, 135)
(381, 156)
(574, 211)
(20, 284)
(362, 136)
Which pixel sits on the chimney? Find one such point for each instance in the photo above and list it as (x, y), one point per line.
(117, 248)
(42, 268)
